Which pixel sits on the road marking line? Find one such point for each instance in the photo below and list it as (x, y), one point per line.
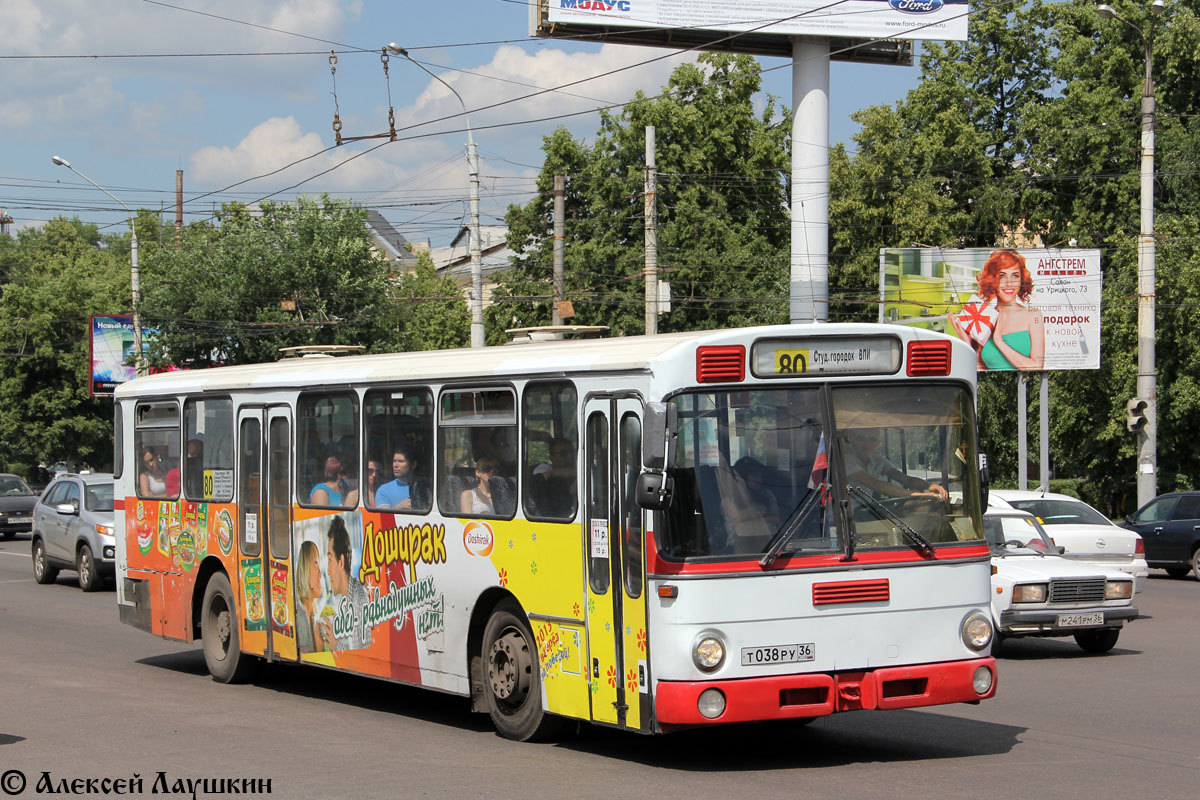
(18, 555)
(19, 580)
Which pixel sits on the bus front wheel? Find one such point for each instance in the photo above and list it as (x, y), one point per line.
(512, 682)
(219, 633)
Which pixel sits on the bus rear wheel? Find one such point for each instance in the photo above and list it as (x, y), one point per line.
(512, 684)
(219, 633)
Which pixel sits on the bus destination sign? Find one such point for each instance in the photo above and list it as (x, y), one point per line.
(783, 358)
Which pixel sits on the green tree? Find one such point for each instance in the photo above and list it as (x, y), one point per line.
(722, 199)
(58, 275)
(429, 313)
(294, 274)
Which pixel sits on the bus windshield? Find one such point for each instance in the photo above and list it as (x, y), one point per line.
(762, 472)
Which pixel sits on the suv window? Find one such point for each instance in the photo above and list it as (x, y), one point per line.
(71, 496)
(99, 497)
(54, 494)
(1188, 508)
(1157, 511)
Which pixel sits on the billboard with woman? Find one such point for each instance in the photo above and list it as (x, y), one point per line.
(1020, 309)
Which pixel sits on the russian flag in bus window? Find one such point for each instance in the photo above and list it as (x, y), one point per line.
(818, 478)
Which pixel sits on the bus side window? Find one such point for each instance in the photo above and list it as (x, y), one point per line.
(551, 451)
(208, 449)
(477, 453)
(399, 450)
(327, 457)
(156, 441)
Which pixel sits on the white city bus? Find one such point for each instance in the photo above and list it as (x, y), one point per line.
(647, 532)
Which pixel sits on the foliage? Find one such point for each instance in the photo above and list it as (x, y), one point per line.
(1032, 127)
(429, 313)
(292, 275)
(56, 277)
(722, 197)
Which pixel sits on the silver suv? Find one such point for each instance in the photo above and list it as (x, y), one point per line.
(73, 529)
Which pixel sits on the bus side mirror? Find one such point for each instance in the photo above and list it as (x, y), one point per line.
(984, 480)
(654, 491)
(658, 440)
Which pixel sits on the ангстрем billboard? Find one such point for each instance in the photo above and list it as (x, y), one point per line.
(1021, 309)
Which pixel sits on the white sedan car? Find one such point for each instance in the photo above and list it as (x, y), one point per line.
(1084, 533)
(1037, 593)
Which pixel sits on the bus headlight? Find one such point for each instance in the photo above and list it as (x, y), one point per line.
(1029, 593)
(709, 652)
(982, 681)
(1118, 590)
(711, 703)
(977, 631)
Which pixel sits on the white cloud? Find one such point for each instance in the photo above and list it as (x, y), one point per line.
(279, 142)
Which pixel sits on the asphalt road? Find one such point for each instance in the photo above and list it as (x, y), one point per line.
(83, 696)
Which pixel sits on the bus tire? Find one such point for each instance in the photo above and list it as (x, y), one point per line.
(512, 684)
(219, 633)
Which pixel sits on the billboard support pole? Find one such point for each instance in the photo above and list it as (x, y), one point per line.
(809, 287)
(1044, 431)
(1022, 434)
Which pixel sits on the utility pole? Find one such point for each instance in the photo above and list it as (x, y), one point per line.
(560, 203)
(178, 202)
(1147, 371)
(650, 271)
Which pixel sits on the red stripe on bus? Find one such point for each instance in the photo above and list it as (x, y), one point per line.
(658, 565)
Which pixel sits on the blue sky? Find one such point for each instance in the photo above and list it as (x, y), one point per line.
(130, 123)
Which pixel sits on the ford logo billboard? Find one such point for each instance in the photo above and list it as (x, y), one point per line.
(916, 6)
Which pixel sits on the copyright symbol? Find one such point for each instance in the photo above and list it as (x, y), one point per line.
(12, 782)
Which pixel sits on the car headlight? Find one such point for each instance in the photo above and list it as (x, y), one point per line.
(1118, 590)
(977, 631)
(709, 652)
(1029, 593)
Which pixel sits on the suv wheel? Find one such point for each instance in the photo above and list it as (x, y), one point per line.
(85, 564)
(42, 571)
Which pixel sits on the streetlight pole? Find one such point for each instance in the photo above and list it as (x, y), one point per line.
(473, 169)
(1147, 377)
(134, 277)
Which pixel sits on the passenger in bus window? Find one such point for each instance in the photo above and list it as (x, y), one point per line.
(871, 470)
(479, 499)
(348, 596)
(553, 486)
(406, 491)
(193, 471)
(374, 475)
(308, 591)
(152, 482)
(334, 489)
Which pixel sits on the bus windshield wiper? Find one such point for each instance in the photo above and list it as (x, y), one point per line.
(792, 524)
(883, 512)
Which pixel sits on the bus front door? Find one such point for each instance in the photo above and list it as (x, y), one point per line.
(616, 604)
(265, 524)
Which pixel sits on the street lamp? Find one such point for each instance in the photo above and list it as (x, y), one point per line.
(473, 168)
(134, 279)
(1147, 377)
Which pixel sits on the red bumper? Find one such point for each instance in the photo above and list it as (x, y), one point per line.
(821, 694)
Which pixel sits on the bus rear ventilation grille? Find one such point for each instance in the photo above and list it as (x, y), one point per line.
(876, 591)
(724, 364)
(928, 358)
